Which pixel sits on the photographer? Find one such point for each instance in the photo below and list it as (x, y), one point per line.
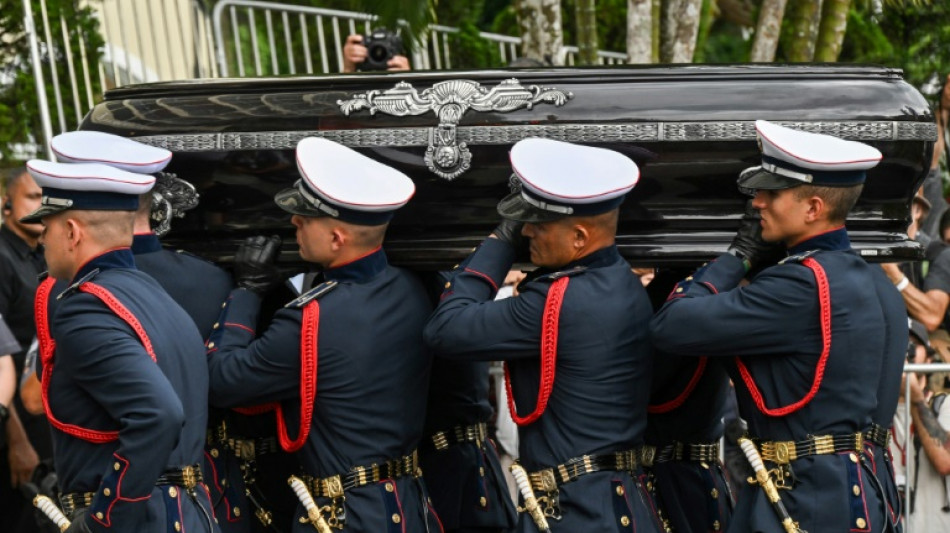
(356, 56)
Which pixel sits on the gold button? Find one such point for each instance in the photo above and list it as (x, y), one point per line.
(483, 501)
(649, 485)
(224, 482)
(106, 492)
(236, 511)
(714, 493)
(396, 518)
(481, 471)
(389, 487)
(619, 490)
(117, 466)
(854, 458)
(211, 345)
(173, 492)
(214, 453)
(856, 490)
(456, 266)
(448, 284)
(860, 523)
(624, 521)
(689, 278)
(99, 516)
(716, 525)
(225, 304)
(679, 289)
(215, 326)
(177, 525)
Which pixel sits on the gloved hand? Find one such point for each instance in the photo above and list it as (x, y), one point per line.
(748, 244)
(79, 523)
(254, 264)
(510, 232)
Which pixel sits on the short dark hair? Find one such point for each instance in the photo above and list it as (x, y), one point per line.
(839, 200)
(11, 177)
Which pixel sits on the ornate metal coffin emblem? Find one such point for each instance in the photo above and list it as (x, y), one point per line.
(449, 100)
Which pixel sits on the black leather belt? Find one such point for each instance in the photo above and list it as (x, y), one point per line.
(547, 480)
(784, 452)
(878, 435)
(75, 501)
(681, 451)
(443, 440)
(187, 476)
(358, 476)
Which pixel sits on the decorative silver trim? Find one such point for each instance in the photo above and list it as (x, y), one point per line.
(450, 100)
(171, 197)
(775, 169)
(572, 132)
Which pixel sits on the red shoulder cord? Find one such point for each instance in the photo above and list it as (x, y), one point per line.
(679, 400)
(824, 302)
(309, 327)
(549, 327)
(47, 347)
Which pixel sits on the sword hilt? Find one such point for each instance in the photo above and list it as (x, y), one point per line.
(765, 481)
(313, 512)
(530, 502)
(43, 503)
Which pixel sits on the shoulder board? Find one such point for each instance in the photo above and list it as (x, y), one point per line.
(799, 257)
(563, 273)
(315, 293)
(75, 286)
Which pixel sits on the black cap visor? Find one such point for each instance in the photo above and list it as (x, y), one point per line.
(44, 211)
(756, 178)
(292, 201)
(515, 207)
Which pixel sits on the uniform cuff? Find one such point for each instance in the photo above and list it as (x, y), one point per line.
(492, 260)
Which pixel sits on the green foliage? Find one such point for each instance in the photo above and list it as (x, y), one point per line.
(19, 119)
(915, 38)
(726, 43)
(470, 51)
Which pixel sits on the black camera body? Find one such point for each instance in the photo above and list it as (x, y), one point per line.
(381, 45)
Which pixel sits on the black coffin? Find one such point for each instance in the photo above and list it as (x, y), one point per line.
(690, 128)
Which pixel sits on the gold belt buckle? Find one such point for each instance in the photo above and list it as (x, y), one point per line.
(548, 482)
(784, 452)
(332, 487)
(189, 477)
(649, 454)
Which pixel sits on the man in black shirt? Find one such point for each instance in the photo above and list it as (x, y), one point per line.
(28, 439)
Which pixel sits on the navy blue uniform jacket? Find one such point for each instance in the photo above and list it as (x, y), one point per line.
(372, 379)
(200, 288)
(603, 367)
(686, 406)
(103, 379)
(772, 328)
(466, 481)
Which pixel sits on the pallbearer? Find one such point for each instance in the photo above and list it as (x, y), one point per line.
(808, 341)
(124, 384)
(575, 340)
(344, 363)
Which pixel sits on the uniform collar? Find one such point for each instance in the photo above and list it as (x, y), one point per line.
(600, 258)
(20, 246)
(145, 243)
(836, 239)
(360, 269)
(114, 258)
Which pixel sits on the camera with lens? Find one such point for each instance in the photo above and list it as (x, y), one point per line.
(381, 45)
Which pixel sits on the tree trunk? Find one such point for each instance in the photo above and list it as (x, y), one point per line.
(678, 33)
(767, 31)
(657, 24)
(804, 16)
(834, 23)
(541, 34)
(640, 31)
(586, 14)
